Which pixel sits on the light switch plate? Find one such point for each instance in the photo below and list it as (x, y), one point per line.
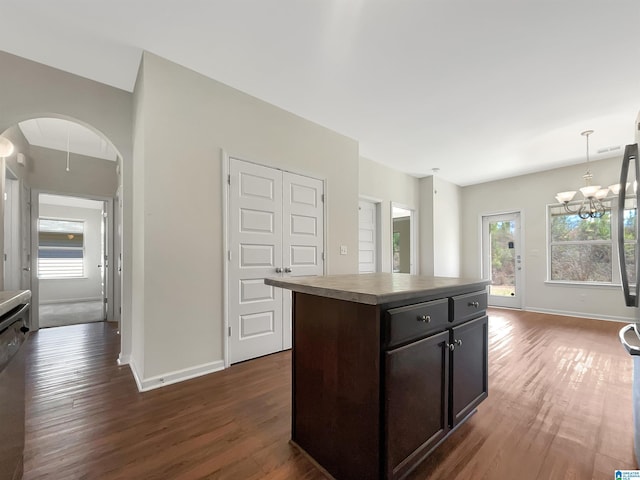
(343, 249)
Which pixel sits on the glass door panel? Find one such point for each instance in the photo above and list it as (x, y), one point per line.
(502, 262)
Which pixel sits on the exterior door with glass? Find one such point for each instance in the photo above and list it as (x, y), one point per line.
(502, 259)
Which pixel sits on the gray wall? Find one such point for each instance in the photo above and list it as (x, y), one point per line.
(32, 90)
(86, 176)
(385, 185)
(183, 121)
(530, 194)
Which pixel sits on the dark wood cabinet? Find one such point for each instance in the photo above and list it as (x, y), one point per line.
(434, 383)
(416, 401)
(380, 380)
(469, 368)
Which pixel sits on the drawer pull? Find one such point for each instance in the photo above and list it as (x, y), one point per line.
(474, 304)
(458, 342)
(424, 318)
(450, 346)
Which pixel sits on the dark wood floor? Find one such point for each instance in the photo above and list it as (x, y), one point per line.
(559, 407)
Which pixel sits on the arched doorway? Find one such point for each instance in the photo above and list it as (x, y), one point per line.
(75, 169)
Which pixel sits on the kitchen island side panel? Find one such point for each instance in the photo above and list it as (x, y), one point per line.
(336, 384)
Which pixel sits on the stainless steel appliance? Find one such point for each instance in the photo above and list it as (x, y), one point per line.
(14, 328)
(628, 254)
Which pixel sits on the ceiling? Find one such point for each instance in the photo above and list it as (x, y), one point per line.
(66, 136)
(480, 90)
(66, 201)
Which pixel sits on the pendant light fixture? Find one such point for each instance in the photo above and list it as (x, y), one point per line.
(6, 147)
(68, 141)
(591, 206)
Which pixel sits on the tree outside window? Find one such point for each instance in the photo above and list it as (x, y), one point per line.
(585, 250)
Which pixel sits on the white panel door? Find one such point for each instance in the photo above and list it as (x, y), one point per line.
(367, 232)
(255, 250)
(302, 234)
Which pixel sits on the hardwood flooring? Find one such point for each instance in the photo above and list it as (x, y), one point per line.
(559, 407)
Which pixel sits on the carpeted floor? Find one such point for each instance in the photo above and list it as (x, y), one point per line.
(59, 314)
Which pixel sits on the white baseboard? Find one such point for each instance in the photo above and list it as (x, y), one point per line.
(134, 371)
(124, 359)
(70, 300)
(169, 378)
(610, 318)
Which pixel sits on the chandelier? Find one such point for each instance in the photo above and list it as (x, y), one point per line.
(591, 206)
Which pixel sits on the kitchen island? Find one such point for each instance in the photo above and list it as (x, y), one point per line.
(385, 367)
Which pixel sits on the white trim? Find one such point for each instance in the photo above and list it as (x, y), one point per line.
(225, 258)
(134, 371)
(573, 284)
(413, 233)
(225, 167)
(610, 318)
(520, 250)
(169, 378)
(71, 300)
(35, 287)
(123, 359)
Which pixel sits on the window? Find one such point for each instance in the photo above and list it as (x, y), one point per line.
(60, 248)
(586, 250)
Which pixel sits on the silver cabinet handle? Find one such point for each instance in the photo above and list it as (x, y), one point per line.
(278, 270)
(424, 318)
(287, 269)
(450, 346)
(458, 342)
(474, 304)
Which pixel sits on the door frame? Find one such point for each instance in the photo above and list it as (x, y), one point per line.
(378, 205)
(520, 277)
(413, 234)
(13, 256)
(35, 285)
(224, 179)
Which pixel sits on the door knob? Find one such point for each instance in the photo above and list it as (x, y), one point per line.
(287, 269)
(278, 270)
(26, 269)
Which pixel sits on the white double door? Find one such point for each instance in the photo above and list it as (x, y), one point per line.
(276, 228)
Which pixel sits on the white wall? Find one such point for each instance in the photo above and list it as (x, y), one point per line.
(386, 185)
(446, 229)
(182, 122)
(530, 194)
(439, 227)
(76, 289)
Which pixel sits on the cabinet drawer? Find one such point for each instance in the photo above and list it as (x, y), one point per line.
(468, 306)
(414, 321)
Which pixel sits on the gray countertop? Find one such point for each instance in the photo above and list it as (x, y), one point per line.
(10, 299)
(375, 288)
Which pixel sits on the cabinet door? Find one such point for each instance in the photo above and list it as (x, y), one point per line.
(416, 397)
(469, 368)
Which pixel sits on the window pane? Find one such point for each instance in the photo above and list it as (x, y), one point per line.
(582, 263)
(60, 248)
(58, 239)
(567, 228)
(630, 261)
(66, 226)
(630, 224)
(503, 259)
